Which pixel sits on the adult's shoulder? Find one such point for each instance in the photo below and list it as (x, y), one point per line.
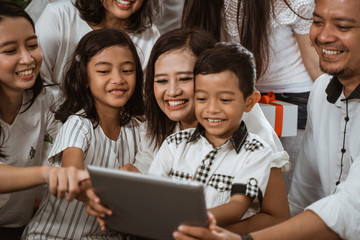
(298, 15)
(60, 15)
(320, 85)
(47, 98)
(323, 79)
(61, 7)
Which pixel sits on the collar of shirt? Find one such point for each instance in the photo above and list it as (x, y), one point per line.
(237, 139)
(334, 90)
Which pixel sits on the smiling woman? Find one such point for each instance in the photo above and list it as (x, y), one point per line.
(174, 86)
(24, 114)
(63, 23)
(21, 55)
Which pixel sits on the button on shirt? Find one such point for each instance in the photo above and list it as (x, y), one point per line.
(240, 166)
(329, 162)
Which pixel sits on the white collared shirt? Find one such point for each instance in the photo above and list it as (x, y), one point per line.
(256, 123)
(241, 161)
(319, 165)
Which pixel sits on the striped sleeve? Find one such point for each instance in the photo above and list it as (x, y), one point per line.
(74, 133)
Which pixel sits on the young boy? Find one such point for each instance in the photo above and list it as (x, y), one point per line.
(233, 164)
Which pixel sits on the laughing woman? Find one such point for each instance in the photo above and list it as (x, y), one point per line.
(63, 23)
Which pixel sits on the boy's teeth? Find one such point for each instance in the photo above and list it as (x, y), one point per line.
(123, 2)
(330, 52)
(176, 103)
(25, 73)
(214, 120)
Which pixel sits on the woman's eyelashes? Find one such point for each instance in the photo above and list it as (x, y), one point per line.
(185, 79)
(161, 81)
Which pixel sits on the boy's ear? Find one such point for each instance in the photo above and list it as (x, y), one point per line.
(252, 100)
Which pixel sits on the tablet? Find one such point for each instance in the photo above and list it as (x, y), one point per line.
(148, 206)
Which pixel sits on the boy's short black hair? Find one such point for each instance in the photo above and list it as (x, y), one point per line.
(232, 57)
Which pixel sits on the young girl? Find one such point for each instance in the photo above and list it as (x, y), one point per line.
(27, 127)
(169, 107)
(103, 91)
(64, 23)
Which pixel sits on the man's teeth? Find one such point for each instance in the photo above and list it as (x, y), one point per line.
(123, 2)
(176, 103)
(25, 73)
(214, 120)
(330, 52)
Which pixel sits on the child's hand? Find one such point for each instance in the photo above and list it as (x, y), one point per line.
(217, 233)
(94, 207)
(130, 168)
(212, 221)
(213, 232)
(64, 180)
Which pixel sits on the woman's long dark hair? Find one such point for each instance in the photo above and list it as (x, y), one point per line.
(253, 18)
(194, 40)
(75, 86)
(93, 11)
(12, 10)
(253, 21)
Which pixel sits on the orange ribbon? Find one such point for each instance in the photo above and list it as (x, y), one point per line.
(269, 99)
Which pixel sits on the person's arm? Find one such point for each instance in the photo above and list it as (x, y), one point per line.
(306, 186)
(73, 156)
(14, 178)
(306, 225)
(275, 207)
(60, 180)
(232, 211)
(49, 37)
(309, 56)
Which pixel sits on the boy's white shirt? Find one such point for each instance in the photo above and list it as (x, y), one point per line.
(255, 122)
(180, 158)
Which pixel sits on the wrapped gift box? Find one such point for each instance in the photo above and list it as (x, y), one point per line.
(285, 126)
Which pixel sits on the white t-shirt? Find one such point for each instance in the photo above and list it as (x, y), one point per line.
(286, 71)
(36, 7)
(3, 199)
(28, 141)
(318, 167)
(171, 17)
(58, 218)
(241, 163)
(256, 123)
(60, 28)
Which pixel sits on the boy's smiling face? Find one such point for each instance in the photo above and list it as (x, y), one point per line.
(219, 105)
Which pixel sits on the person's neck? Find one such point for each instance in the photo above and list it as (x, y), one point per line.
(349, 85)
(188, 124)
(110, 123)
(10, 104)
(111, 21)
